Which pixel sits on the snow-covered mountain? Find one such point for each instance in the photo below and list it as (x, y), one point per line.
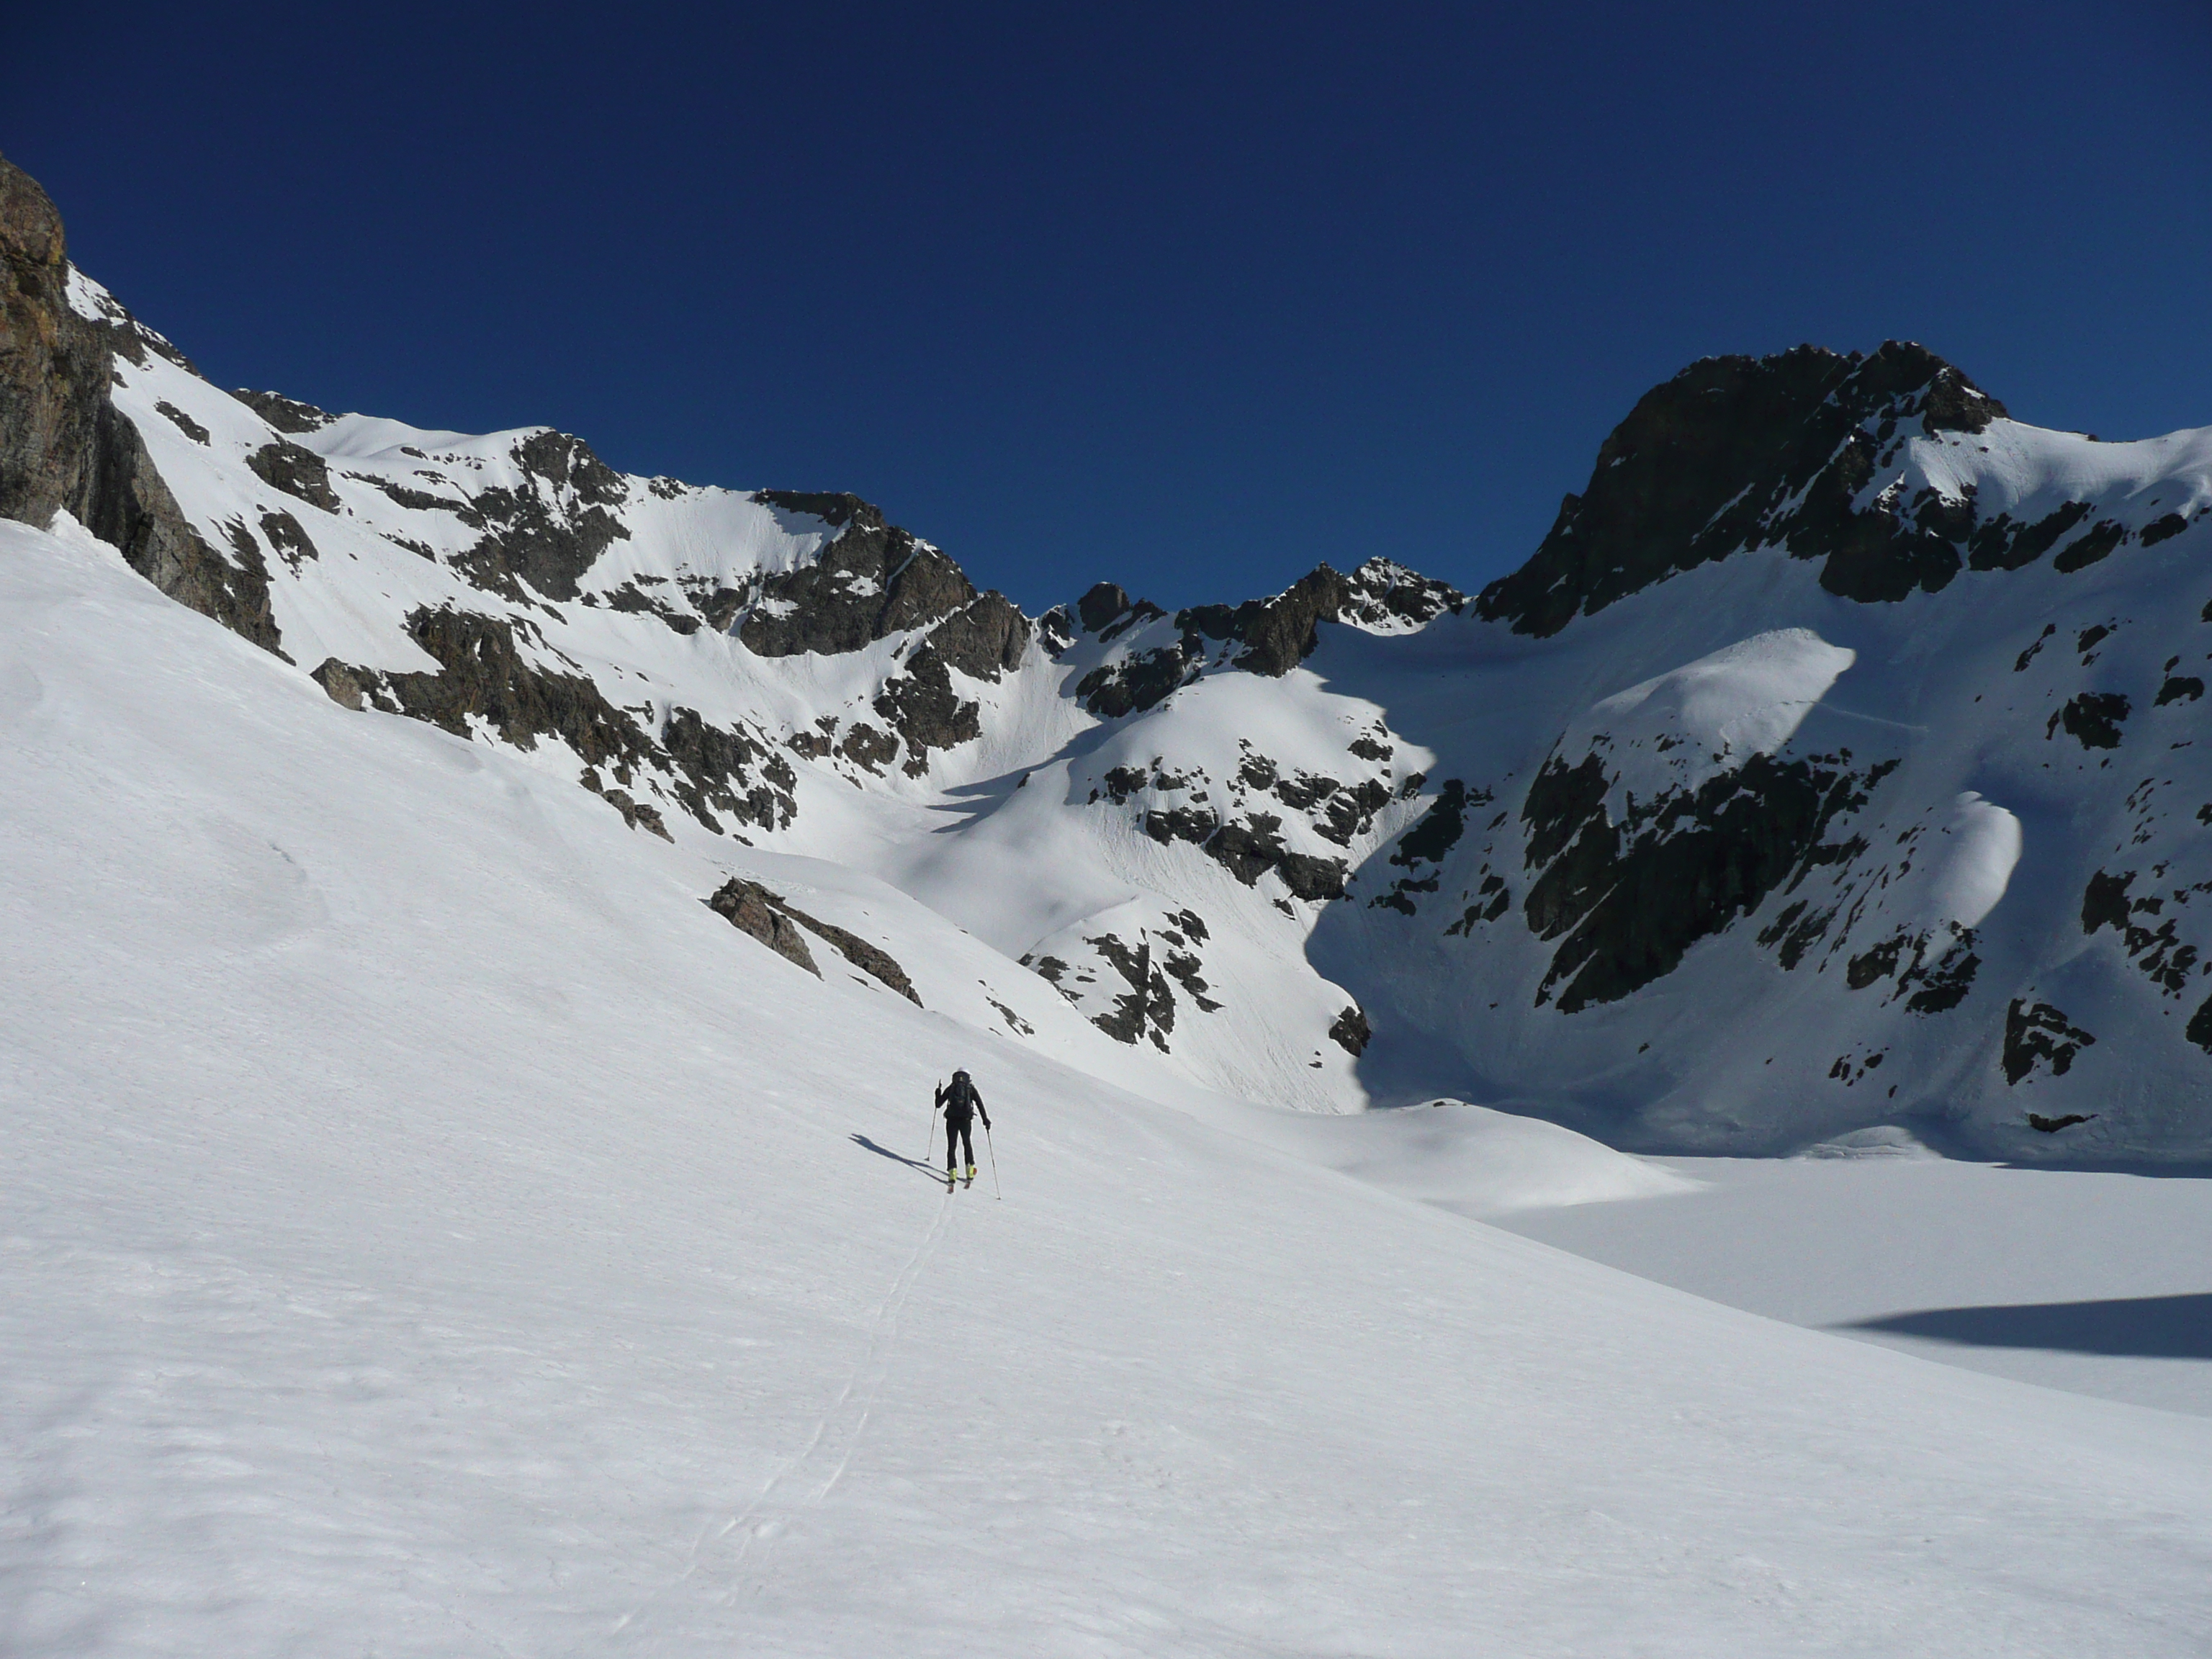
(469, 1012)
(1829, 765)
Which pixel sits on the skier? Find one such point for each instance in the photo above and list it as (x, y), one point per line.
(960, 1101)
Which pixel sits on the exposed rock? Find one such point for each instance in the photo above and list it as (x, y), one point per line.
(1139, 682)
(286, 415)
(873, 580)
(183, 422)
(1183, 967)
(719, 605)
(1628, 899)
(420, 501)
(869, 959)
(751, 908)
(2091, 718)
(739, 776)
(1279, 633)
(1316, 880)
(65, 445)
(1192, 823)
(632, 599)
(2104, 901)
(775, 922)
(2199, 1029)
(1492, 900)
(1276, 633)
(635, 813)
(1745, 451)
(1122, 781)
(1352, 1032)
(2001, 545)
(868, 748)
(2039, 1035)
(1249, 849)
(1103, 606)
(1148, 1008)
(985, 637)
(550, 529)
(298, 472)
(2091, 545)
(2158, 952)
(1384, 593)
(2051, 1125)
(1438, 831)
(485, 678)
(1351, 811)
(1938, 968)
(127, 504)
(1055, 632)
(922, 706)
(289, 540)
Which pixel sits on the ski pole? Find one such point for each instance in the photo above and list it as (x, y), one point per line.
(929, 1152)
(994, 1151)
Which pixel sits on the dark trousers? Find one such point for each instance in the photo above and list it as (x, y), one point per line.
(959, 1131)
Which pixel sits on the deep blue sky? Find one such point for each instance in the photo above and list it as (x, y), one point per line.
(1192, 297)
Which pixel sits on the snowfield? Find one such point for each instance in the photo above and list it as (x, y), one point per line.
(2090, 1280)
(429, 1229)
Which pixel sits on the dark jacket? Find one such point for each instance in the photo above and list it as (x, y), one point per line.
(960, 1099)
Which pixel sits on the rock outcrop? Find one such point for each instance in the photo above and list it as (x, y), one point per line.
(64, 445)
(1747, 451)
(775, 922)
(872, 580)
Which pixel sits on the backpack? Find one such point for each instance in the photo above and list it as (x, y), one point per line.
(960, 1097)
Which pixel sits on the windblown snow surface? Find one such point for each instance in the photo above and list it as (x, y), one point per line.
(429, 1229)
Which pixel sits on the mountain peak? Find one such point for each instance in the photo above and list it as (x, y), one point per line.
(1743, 452)
(30, 223)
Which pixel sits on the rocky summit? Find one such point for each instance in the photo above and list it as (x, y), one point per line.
(1832, 763)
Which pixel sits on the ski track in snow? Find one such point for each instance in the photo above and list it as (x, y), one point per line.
(874, 1365)
(882, 1336)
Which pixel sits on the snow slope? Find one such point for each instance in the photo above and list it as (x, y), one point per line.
(431, 1229)
(2091, 1280)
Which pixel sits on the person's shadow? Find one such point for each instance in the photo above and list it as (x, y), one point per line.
(929, 1170)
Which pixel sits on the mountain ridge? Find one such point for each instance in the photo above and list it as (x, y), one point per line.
(1495, 846)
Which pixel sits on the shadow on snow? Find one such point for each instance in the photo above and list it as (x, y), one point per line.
(2143, 1327)
(929, 1170)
